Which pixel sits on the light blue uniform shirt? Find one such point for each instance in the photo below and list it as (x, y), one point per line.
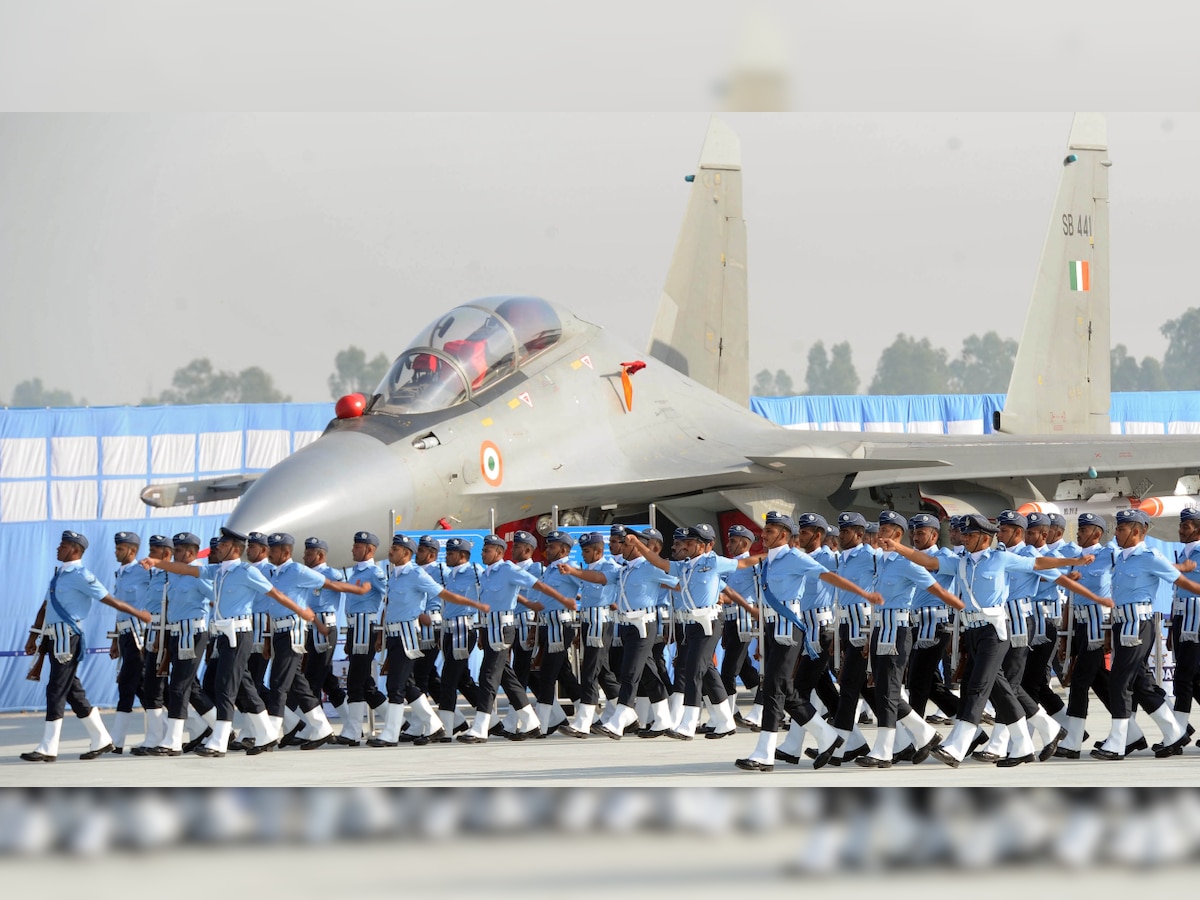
(591, 595)
(73, 588)
(988, 578)
(188, 597)
(639, 585)
(1025, 587)
(298, 582)
(323, 601)
(130, 584)
(899, 581)
(1096, 577)
(465, 580)
(1188, 551)
(741, 581)
(501, 582)
(924, 599)
(823, 599)
(235, 588)
(567, 585)
(787, 576)
(858, 565)
(700, 579)
(155, 584)
(371, 575)
(410, 588)
(263, 603)
(1137, 576)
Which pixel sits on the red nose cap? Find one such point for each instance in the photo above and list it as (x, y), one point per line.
(351, 406)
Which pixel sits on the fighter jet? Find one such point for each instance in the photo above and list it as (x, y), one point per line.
(506, 407)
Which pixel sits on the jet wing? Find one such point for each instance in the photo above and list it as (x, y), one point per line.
(184, 493)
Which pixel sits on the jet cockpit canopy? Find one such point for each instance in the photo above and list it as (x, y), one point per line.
(466, 351)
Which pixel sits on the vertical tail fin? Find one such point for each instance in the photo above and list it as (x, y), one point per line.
(702, 325)
(1060, 381)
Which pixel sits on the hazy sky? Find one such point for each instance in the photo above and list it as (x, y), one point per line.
(132, 243)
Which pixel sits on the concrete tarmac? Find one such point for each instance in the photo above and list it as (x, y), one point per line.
(557, 761)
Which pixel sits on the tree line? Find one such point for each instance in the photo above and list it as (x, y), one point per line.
(983, 366)
(907, 366)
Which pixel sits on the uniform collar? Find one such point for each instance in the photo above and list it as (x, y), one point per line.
(1190, 548)
(71, 566)
(282, 566)
(365, 564)
(742, 555)
(777, 552)
(228, 565)
(976, 557)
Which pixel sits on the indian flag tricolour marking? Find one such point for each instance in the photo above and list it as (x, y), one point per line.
(1081, 279)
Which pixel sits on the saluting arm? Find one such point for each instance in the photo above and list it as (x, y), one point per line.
(121, 606)
(568, 602)
(345, 587)
(945, 596)
(1076, 588)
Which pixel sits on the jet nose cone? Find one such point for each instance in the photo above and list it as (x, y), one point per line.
(341, 483)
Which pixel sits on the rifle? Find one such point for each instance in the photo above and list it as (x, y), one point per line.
(162, 667)
(42, 648)
(1069, 625)
(955, 651)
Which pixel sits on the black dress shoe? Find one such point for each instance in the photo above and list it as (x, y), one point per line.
(906, 755)
(97, 753)
(1009, 761)
(118, 750)
(782, 756)
(575, 733)
(651, 733)
(944, 756)
(241, 746)
(139, 751)
(741, 720)
(810, 752)
(873, 762)
(292, 738)
(471, 739)
(980, 740)
(316, 742)
(827, 754)
(163, 751)
(34, 756)
(498, 729)
(1048, 750)
(524, 735)
(632, 728)
(1140, 744)
(421, 740)
(1101, 753)
(717, 735)
(268, 747)
(1175, 749)
(704, 729)
(922, 753)
(441, 738)
(553, 728)
(753, 765)
(209, 752)
(460, 727)
(406, 737)
(376, 742)
(344, 741)
(985, 756)
(1064, 753)
(860, 750)
(195, 742)
(677, 736)
(609, 733)
(596, 728)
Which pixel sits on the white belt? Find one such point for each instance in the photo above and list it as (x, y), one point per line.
(199, 624)
(633, 617)
(701, 613)
(224, 626)
(125, 625)
(1132, 611)
(843, 612)
(283, 623)
(1080, 613)
(564, 616)
(973, 619)
(901, 615)
(393, 629)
